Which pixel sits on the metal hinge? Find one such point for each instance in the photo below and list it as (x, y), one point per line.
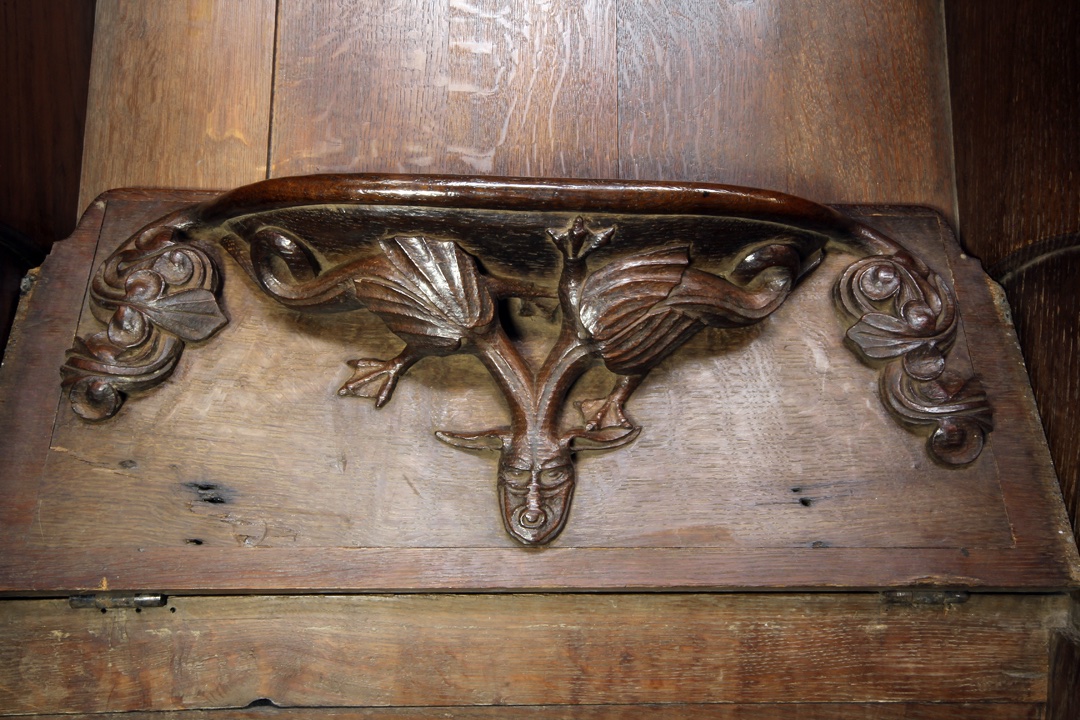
(924, 597)
(109, 600)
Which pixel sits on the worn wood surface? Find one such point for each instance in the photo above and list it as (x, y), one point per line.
(179, 493)
(757, 110)
(179, 95)
(1015, 71)
(1015, 83)
(835, 101)
(523, 650)
(711, 711)
(1041, 286)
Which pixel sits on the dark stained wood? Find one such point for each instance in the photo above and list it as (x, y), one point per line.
(156, 293)
(184, 491)
(44, 75)
(18, 254)
(1015, 79)
(711, 711)
(179, 96)
(1063, 700)
(1014, 70)
(1015, 73)
(836, 101)
(478, 87)
(849, 143)
(23, 411)
(524, 650)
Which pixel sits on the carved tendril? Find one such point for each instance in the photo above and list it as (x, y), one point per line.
(905, 314)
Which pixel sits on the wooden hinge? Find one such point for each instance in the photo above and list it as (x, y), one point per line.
(109, 600)
(924, 597)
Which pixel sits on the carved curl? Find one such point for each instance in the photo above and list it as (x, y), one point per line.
(906, 314)
(154, 295)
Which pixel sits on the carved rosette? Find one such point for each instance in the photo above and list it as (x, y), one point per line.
(905, 315)
(154, 295)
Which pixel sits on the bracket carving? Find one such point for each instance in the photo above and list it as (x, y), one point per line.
(628, 308)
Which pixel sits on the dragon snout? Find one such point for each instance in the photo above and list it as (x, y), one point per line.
(535, 500)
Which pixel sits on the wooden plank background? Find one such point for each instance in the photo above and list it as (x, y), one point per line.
(840, 101)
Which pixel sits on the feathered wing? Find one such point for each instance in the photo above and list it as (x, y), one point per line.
(642, 308)
(428, 292)
(623, 309)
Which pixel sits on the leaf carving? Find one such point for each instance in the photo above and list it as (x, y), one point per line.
(161, 294)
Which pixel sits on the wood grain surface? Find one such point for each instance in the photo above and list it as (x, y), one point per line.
(1016, 91)
(523, 650)
(836, 101)
(1063, 700)
(479, 87)
(1015, 71)
(179, 95)
(1041, 285)
(840, 101)
(44, 74)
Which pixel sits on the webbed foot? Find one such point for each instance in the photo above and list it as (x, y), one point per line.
(377, 378)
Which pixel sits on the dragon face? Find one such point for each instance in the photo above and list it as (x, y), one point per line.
(535, 490)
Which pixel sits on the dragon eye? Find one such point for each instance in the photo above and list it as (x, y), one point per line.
(516, 476)
(554, 476)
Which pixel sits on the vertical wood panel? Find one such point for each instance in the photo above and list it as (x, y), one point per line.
(1015, 75)
(44, 74)
(433, 86)
(179, 94)
(844, 100)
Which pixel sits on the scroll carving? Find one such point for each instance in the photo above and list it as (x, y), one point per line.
(626, 307)
(153, 296)
(906, 315)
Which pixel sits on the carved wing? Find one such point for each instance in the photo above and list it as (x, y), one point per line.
(624, 309)
(428, 292)
(642, 308)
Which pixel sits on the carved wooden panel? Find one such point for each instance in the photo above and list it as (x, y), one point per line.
(757, 449)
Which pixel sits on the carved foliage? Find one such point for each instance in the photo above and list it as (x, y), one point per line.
(906, 315)
(155, 294)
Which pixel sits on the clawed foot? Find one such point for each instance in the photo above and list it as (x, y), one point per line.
(604, 413)
(576, 243)
(608, 412)
(374, 379)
